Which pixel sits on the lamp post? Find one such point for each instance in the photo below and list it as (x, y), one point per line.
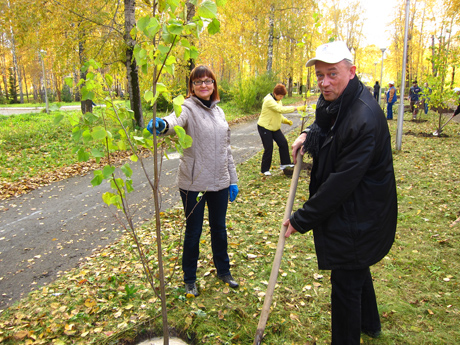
(381, 74)
(44, 80)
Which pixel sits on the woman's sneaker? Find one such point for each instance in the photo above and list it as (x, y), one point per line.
(267, 173)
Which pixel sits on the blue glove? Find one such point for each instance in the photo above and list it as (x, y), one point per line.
(160, 125)
(233, 191)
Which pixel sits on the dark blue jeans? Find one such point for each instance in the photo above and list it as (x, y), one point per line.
(353, 306)
(267, 137)
(390, 111)
(194, 212)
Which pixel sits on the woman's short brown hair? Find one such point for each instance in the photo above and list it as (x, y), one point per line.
(201, 71)
(280, 89)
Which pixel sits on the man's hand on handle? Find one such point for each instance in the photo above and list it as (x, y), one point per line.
(298, 145)
(290, 230)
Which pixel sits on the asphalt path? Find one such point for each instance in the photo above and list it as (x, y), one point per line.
(49, 230)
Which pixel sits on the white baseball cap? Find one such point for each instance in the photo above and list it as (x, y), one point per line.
(391, 83)
(332, 52)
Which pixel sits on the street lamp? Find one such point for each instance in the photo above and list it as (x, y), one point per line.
(381, 73)
(44, 80)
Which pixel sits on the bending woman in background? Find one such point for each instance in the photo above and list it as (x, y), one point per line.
(206, 167)
(269, 125)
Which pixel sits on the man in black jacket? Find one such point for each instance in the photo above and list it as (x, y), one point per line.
(352, 207)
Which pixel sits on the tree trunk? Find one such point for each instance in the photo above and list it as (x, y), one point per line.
(132, 72)
(191, 63)
(15, 63)
(25, 83)
(86, 105)
(271, 22)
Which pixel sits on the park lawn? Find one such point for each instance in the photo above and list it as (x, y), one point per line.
(106, 301)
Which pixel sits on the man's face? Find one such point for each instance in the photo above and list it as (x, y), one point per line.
(333, 78)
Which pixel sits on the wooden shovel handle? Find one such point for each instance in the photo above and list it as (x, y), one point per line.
(278, 255)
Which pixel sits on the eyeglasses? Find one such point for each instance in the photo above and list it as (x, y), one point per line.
(200, 82)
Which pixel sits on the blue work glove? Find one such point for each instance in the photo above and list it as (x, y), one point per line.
(160, 125)
(233, 191)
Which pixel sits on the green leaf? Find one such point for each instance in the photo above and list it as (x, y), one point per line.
(208, 9)
(122, 145)
(185, 140)
(129, 186)
(108, 170)
(153, 29)
(148, 95)
(69, 81)
(214, 27)
(83, 156)
(97, 179)
(143, 23)
(173, 4)
(134, 158)
(107, 197)
(193, 53)
(118, 184)
(127, 170)
(163, 49)
(86, 135)
(76, 134)
(221, 3)
(175, 29)
(97, 153)
(177, 104)
(58, 118)
(109, 80)
(99, 133)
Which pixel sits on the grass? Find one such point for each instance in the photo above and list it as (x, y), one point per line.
(417, 283)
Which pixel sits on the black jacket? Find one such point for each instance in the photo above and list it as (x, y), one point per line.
(352, 207)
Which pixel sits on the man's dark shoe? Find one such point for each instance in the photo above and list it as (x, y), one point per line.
(372, 334)
(228, 279)
(191, 289)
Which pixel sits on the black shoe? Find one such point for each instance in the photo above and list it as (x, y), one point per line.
(228, 279)
(191, 289)
(372, 334)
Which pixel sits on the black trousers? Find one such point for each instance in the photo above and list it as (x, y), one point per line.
(354, 306)
(268, 137)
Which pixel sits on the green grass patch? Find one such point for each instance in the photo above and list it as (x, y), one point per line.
(105, 300)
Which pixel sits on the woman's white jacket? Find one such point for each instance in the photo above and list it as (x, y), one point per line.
(208, 164)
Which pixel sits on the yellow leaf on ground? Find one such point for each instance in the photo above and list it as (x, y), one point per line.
(21, 335)
(89, 303)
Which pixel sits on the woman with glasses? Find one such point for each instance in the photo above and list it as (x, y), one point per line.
(269, 127)
(207, 174)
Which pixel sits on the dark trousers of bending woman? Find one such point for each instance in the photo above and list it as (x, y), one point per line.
(194, 212)
(268, 137)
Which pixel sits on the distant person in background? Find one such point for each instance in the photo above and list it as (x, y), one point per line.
(414, 99)
(269, 127)
(376, 90)
(390, 99)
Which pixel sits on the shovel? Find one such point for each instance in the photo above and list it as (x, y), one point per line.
(439, 131)
(278, 255)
